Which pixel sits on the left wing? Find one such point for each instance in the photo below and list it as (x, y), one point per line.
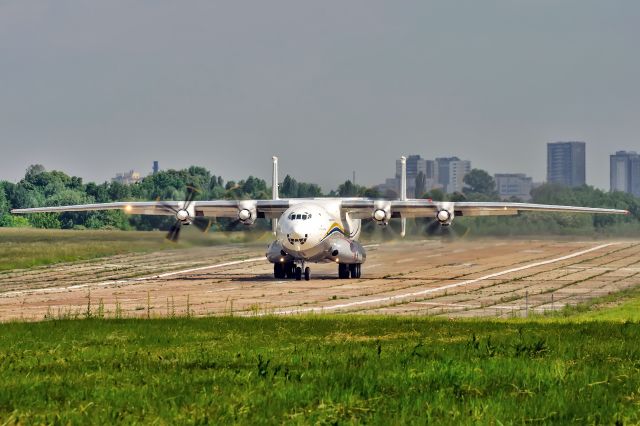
(363, 209)
(213, 208)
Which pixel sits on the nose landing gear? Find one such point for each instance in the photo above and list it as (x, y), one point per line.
(299, 273)
(290, 270)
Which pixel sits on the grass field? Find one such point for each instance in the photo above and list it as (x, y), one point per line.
(620, 306)
(319, 370)
(28, 247)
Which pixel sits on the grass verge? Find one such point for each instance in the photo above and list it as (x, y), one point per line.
(319, 370)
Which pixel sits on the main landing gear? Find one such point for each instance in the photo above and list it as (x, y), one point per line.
(290, 270)
(353, 270)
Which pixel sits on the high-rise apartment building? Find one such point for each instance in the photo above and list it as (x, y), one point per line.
(566, 163)
(625, 172)
(451, 172)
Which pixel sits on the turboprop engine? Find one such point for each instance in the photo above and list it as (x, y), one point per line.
(247, 213)
(445, 214)
(444, 217)
(381, 213)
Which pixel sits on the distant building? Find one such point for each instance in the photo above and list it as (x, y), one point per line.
(415, 165)
(127, 178)
(625, 172)
(450, 173)
(513, 185)
(156, 167)
(566, 163)
(431, 175)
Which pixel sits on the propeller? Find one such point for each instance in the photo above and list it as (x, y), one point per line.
(382, 231)
(436, 229)
(183, 216)
(246, 220)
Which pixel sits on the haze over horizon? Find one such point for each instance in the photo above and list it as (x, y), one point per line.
(99, 88)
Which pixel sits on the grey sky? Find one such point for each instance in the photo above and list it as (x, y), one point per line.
(94, 88)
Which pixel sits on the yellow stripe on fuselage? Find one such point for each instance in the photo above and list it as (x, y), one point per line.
(332, 228)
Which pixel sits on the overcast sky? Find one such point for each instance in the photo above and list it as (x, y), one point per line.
(94, 88)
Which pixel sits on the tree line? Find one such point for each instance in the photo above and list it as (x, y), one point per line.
(41, 187)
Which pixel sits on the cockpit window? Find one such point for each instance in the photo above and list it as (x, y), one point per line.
(299, 216)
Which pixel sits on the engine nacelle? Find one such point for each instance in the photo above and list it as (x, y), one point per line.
(445, 217)
(247, 213)
(382, 213)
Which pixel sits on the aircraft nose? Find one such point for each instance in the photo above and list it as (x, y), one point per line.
(298, 230)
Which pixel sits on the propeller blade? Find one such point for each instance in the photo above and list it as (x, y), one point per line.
(202, 223)
(433, 228)
(460, 230)
(174, 232)
(192, 192)
(167, 207)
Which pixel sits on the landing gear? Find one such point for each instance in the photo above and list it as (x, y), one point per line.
(355, 270)
(343, 271)
(279, 270)
(289, 270)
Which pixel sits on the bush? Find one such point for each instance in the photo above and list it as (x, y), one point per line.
(10, 221)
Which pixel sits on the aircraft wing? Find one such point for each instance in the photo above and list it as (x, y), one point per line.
(213, 208)
(363, 209)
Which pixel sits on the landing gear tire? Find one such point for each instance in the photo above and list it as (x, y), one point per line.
(289, 270)
(352, 270)
(298, 273)
(278, 270)
(307, 274)
(343, 271)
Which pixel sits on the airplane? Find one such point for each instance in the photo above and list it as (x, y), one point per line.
(316, 230)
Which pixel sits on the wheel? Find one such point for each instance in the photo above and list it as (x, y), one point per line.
(278, 270)
(298, 273)
(343, 271)
(307, 274)
(358, 270)
(289, 270)
(353, 270)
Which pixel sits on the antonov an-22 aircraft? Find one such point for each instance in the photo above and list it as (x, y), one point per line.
(318, 230)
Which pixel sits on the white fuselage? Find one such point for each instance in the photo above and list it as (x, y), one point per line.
(312, 230)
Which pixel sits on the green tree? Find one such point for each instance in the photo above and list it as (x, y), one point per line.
(479, 182)
(348, 189)
(289, 187)
(4, 203)
(45, 220)
(435, 195)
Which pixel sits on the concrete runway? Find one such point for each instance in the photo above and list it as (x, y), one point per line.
(469, 278)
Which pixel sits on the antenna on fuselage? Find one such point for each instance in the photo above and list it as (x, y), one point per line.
(274, 190)
(403, 192)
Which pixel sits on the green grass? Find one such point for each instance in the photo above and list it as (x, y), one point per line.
(319, 370)
(621, 306)
(28, 247)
